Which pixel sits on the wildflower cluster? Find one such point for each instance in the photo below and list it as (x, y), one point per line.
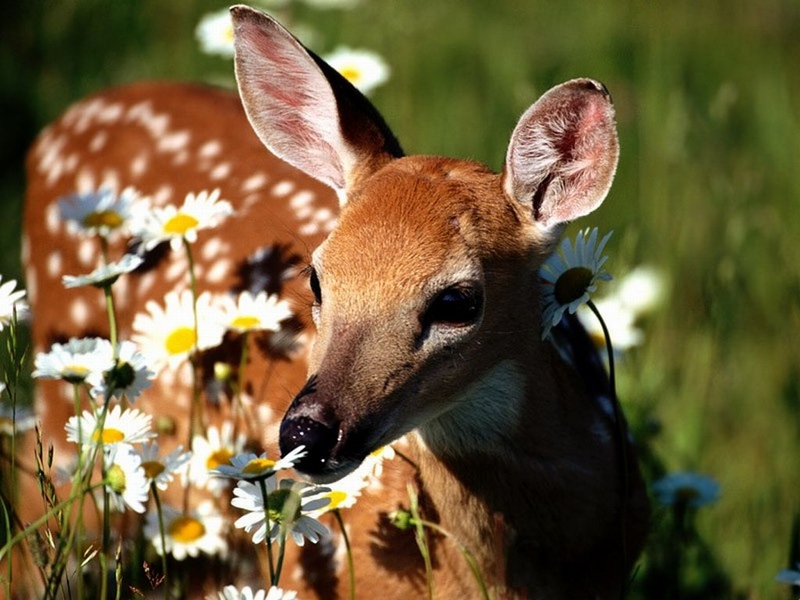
(121, 462)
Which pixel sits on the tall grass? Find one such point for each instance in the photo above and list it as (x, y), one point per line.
(708, 190)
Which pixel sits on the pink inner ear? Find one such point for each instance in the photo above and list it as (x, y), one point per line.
(563, 153)
(287, 99)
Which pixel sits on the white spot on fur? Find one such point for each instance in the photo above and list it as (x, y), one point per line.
(55, 265)
(212, 248)
(210, 149)
(162, 196)
(218, 270)
(98, 141)
(221, 171)
(139, 164)
(283, 188)
(111, 179)
(301, 199)
(143, 114)
(52, 219)
(174, 142)
(86, 253)
(177, 268)
(308, 229)
(71, 163)
(79, 312)
(181, 158)
(111, 113)
(145, 282)
(85, 180)
(254, 182)
(122, 294)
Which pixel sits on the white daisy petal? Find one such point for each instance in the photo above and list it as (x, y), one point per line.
(366, 70)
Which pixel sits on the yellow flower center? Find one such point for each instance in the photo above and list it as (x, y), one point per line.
(180, 224)
(572, 284)
(337, 497)
(245, 322)
(108, 436)
(180, 340)
(103, 218)
(153, 468)
(258, 465)
(186, 529)
(74, 373)
(219, 457)
(352, 74)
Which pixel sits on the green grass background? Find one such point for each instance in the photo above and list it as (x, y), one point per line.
(708, 190)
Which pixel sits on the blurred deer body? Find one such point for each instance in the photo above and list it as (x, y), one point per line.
(425, 303)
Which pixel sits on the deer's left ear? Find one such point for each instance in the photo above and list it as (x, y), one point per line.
(563, 153)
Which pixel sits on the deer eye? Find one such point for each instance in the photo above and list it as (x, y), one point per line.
(456, 306)
(313, 282)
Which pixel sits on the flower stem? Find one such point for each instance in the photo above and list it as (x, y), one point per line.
(162, 533)
(263, 485)
(622, 437)
(112, 319)
(351, 568)
(195, 406)
(469, 558)
(421, 539)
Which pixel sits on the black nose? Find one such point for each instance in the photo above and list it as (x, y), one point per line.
(318, 439)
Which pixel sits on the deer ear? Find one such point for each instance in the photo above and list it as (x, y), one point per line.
(302, 109)
(563, 153)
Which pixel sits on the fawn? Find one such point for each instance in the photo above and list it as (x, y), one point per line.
(425, 308)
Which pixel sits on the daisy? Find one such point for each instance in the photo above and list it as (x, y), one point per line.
(641, 290)
(209, 452)
(620, 321)
(249, 466)
(570, 275)
(345, 492)
(231, 592)
(11, 303)
(77, 361)
(129, 377)
(214, 32)
(160, 471)
(288, 503)
(188, 533)
(251, 313)
(128, 426)
(789, 576)
(201, 211)
(100, 212)
(167, 335)
(363, 68)
(636, 294)
(125, 479)
(104, 275)
(690, 489)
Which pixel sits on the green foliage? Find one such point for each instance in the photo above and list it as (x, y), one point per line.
(707, 190)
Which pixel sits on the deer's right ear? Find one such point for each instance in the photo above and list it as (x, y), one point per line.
(563, 153)
(302, 109)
